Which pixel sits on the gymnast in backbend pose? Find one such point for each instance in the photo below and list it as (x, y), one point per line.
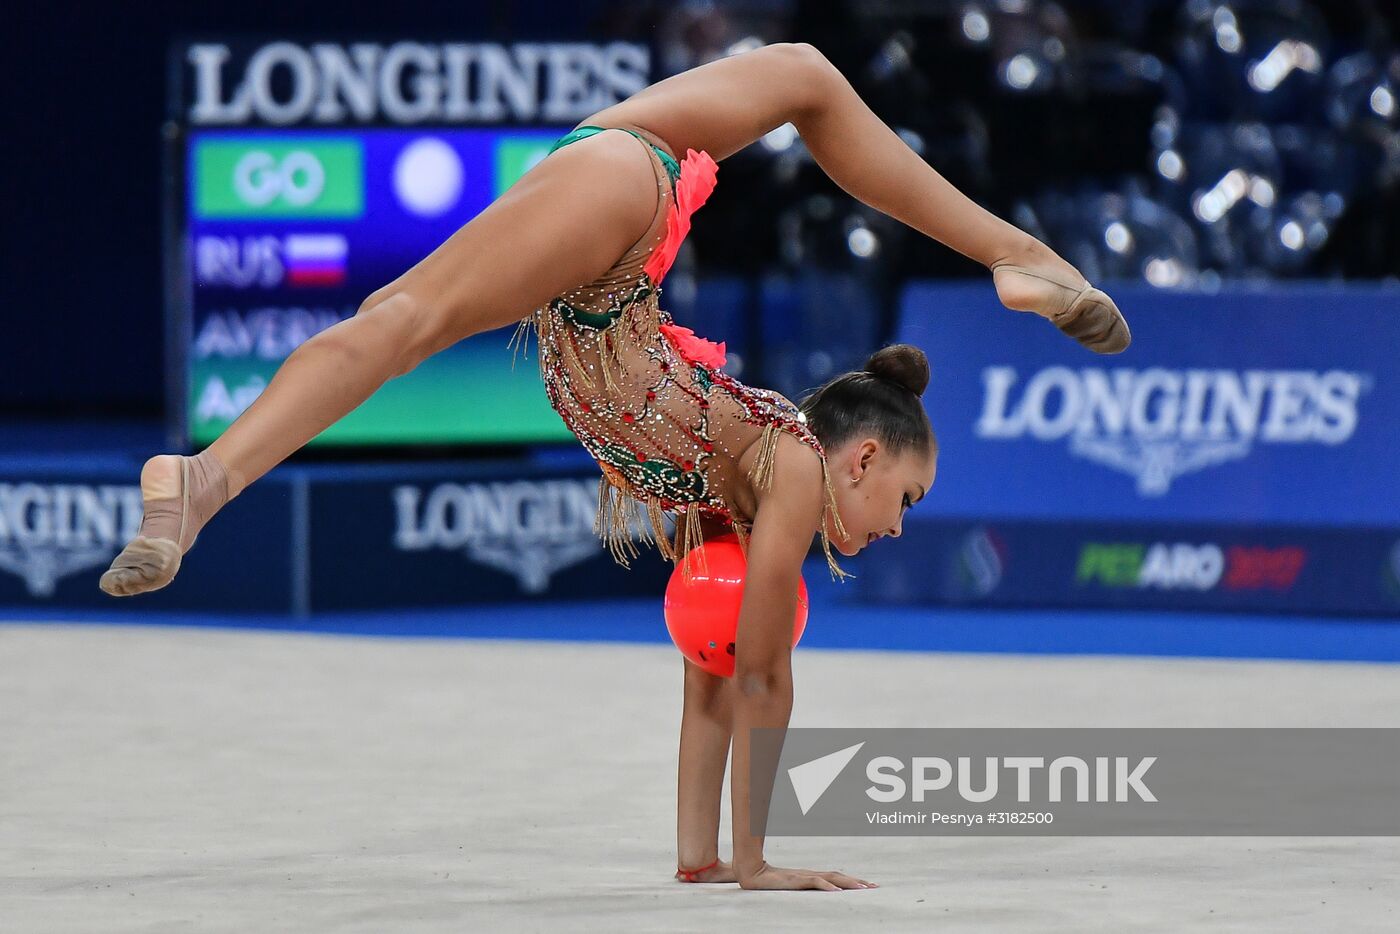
(576, 250)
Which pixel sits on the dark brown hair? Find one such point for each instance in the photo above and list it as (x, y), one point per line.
(882, 400)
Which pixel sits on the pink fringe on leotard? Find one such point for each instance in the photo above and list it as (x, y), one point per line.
(693, 188)
(693, 348)
(696, 181)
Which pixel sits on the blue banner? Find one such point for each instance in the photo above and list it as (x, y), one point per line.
(425, 536)
(61, 526)
(333, 537)
(1164, 566)
(1239, 455)
(1275, 407)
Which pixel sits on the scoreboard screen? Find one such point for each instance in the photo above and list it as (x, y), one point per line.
(282, 233)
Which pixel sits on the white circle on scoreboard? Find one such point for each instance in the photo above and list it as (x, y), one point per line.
(428, 177)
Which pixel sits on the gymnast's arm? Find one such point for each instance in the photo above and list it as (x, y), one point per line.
(723, 106)
(787, 518)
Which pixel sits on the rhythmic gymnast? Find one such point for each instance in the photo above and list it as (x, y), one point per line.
(576, 250)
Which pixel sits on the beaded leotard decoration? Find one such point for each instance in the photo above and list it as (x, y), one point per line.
(648, 399)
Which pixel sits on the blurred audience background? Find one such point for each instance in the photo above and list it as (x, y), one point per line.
(1184, 143)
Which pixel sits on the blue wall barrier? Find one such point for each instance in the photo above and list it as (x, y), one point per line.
(1241, 454)
(61, 525)
(465, 534)
(1273, 569)
(324, 537)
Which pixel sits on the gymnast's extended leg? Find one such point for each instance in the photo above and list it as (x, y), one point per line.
(564, 223)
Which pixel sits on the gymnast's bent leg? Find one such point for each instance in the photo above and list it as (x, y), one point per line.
(725, 105)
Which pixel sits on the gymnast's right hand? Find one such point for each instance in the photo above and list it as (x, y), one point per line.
(775, 877)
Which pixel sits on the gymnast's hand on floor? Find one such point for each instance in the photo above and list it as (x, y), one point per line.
(775, 877)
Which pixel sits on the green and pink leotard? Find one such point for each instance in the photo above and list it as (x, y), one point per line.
(646, 397)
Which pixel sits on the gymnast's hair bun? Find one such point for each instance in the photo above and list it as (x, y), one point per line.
(904, 364)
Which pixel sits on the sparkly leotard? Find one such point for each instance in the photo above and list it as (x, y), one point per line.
(647, 398)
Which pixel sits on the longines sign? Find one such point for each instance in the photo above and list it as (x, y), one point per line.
(281, 83)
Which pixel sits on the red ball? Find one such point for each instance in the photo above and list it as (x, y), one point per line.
(702, 615)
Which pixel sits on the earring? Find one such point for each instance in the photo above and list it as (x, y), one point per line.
(855, 479)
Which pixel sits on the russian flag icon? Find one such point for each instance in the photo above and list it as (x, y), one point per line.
(315, 259)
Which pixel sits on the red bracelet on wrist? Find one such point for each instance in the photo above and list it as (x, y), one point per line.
(688, 875)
